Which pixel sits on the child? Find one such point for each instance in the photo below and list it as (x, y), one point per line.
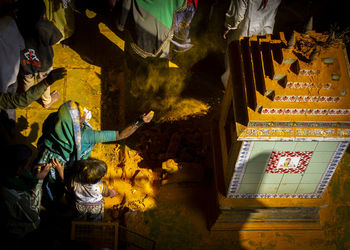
(37, 58)
(89, 190)
(19, 192)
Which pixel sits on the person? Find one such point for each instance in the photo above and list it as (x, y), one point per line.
(89, 190)
(11, 43)
(246, 18)
(37, 56)
(154, 25)
(183, 19)
(22, 100)
(19, 192)
(61, 13)
(68, 137)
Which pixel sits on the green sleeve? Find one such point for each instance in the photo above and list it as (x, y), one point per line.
(94, 136)
(22, 100)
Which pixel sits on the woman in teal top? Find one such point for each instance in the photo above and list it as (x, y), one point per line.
(68, 137)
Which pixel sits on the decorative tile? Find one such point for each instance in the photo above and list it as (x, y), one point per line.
(306, 146)
(240, 166)
(248, 189)
(309, 72)
(321, 157)
(291, 178)
(256, 166)
(287, 188)
(288, 161)
(338, 154)
(304, 85)
(271, 178)
(329, 146)
(292, 111)
(268, 188)
(306, 188)
(316, 167)
(344, 132)
(309, 185)
(284, 146)
(297, 98)
(311, 178)
(298, 124)
(251, 178)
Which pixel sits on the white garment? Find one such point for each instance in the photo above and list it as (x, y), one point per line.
(11, 43)
(247, 18)
(88, 193)
(250, 19)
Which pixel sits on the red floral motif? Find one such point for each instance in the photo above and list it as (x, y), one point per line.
(307, 98)
(304, 159)
(327, 85)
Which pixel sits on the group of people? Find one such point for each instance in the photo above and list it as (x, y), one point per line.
(61, 164)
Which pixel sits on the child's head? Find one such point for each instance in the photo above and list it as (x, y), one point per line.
(91, 170)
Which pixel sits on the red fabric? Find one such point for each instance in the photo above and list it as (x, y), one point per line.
(192, 2)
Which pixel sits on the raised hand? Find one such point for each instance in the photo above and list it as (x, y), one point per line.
(147, 118)
(59, 167)
(55, 75)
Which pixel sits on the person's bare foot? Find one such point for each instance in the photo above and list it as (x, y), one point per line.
(54, 97)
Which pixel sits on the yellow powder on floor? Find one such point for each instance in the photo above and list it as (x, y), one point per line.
(135, 185)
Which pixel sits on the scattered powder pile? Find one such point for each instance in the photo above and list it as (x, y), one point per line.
(135, 185)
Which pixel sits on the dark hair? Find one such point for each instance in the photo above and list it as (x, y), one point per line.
(28, 15)
(90, 171)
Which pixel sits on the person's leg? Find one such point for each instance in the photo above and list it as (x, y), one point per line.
(28, 81)
(95, 213)
(79, 212)
(47, 98)
(123, 16)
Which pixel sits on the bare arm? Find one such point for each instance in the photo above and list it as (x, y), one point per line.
(108, 192)
(59, 167)
(133, 127)
(42, 170)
